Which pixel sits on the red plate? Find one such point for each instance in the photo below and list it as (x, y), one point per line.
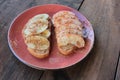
(55, 60)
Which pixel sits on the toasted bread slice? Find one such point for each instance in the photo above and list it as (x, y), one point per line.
(66, 18)
(70, 42)
(68, 31)
(36, 34)
(37, 42)
(39, 53)
(66, 49)
(76, 40)
(38, 46)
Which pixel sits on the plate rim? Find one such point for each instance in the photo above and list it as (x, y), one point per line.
(41, 68)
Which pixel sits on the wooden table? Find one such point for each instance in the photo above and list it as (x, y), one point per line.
(103, 62)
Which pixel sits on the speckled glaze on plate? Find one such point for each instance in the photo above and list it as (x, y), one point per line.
(55, 59)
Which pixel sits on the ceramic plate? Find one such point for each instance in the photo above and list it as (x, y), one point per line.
(55, 60)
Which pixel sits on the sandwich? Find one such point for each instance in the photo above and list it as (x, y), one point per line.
(36, 34)
(68, 31)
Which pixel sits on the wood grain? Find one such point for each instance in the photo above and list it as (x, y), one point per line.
(101, 63)
(10, 67)
(55, 75)
(72, 3)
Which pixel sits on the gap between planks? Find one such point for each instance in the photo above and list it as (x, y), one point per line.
(80, 5)
(115, 76)
(41, 74)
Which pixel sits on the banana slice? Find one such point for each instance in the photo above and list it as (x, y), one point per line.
(27, 32)
(41, 16)
(37, 30)
(36, 26)
(46, 33)
(31, 45)
(37, 42)
(41, 29)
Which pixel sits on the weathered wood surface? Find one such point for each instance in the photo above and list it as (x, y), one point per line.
(101, 64)
(10, 67)
(105, 18)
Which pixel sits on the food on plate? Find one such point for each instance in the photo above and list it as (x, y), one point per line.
(36, 34)
(68, 31)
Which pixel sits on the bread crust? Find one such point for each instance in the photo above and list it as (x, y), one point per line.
(66, 52)
(38, 55)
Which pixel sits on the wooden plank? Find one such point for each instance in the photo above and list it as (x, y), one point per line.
(72, 3)
(117, 76)
(55, 75)
(101, 63)
(10, 67)
(104, 15)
